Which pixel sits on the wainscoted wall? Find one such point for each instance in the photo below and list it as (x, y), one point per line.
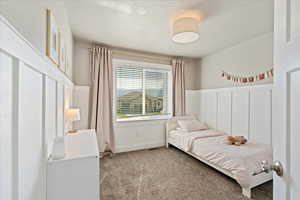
(29, 18)
(34, 94)
(237, 111)
(137, 135)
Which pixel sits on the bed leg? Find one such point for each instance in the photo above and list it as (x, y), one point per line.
(167, 145)
(247, 192)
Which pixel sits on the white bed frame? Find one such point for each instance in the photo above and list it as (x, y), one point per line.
(256, 180)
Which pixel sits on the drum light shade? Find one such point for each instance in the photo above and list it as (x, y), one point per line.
(185, 30)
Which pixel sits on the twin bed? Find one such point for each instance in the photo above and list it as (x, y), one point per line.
(208, 146)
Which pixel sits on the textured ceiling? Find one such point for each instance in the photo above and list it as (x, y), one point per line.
(146, 24)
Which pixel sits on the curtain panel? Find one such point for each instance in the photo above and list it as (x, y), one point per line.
(102, 98)
(178, 87)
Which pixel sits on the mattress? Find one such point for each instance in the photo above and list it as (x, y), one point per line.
(240, 161)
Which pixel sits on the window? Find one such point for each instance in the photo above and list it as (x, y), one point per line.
(142, 90)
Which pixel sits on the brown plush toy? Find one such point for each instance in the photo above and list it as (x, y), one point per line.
(236, 140)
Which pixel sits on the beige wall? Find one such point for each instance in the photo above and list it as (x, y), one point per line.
(82, 66)
(192, 74)
(244, 59)
(29, 18)
(82, 70)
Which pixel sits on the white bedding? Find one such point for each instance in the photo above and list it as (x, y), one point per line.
(241, 161)
(185, 139)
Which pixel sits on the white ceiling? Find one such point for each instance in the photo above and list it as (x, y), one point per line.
(146, 24)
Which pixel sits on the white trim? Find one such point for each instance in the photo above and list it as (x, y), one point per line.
(144, 64)
(139, 147)
(191, 92)
(143, 96)
(256, 110)
(14, 44)
(15, 129)
(135, 123)
(170, 92)
(148, 66)
(234, 88)
(144, 118)
(27, 57)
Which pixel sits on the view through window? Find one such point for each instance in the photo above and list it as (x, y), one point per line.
(141, 90)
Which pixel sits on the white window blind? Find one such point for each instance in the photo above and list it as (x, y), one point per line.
(141, 90)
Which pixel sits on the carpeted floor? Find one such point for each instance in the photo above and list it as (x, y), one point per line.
(168, 174)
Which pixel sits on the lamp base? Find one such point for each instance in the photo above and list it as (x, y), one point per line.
(72, 131)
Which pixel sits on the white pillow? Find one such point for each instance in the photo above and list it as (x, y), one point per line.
(181, 129)
(192, 125)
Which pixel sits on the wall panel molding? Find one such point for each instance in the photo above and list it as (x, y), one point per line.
(31, 145)
(13, 43)
(29, 115)
(243, 111)
(192, 102)
(224, 114)
(208, 108)
(138, 135)
(240, 112)
(6, 124)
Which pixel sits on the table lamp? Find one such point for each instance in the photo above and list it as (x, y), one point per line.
(72, 114)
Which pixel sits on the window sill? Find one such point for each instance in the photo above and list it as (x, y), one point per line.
(144, 118)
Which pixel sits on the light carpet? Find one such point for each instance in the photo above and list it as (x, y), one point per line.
(168, 174)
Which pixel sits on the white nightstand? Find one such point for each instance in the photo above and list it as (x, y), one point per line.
(77, 175)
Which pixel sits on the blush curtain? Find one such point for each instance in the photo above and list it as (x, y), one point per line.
(102, 98)
(178, 87)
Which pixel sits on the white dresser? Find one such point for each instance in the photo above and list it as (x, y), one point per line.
(77, 175)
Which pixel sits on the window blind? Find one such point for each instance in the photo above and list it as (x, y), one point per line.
(141, 91)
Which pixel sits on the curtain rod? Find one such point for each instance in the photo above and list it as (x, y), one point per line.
(143, 55)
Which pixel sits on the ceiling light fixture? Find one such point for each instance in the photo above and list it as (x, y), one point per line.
(185, 30)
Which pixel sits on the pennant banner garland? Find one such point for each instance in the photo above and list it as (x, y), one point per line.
(250, 79)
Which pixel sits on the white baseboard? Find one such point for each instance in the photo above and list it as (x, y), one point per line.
(122, 149)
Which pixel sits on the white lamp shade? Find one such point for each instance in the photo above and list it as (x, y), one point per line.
(73, 114)
(185, 30)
